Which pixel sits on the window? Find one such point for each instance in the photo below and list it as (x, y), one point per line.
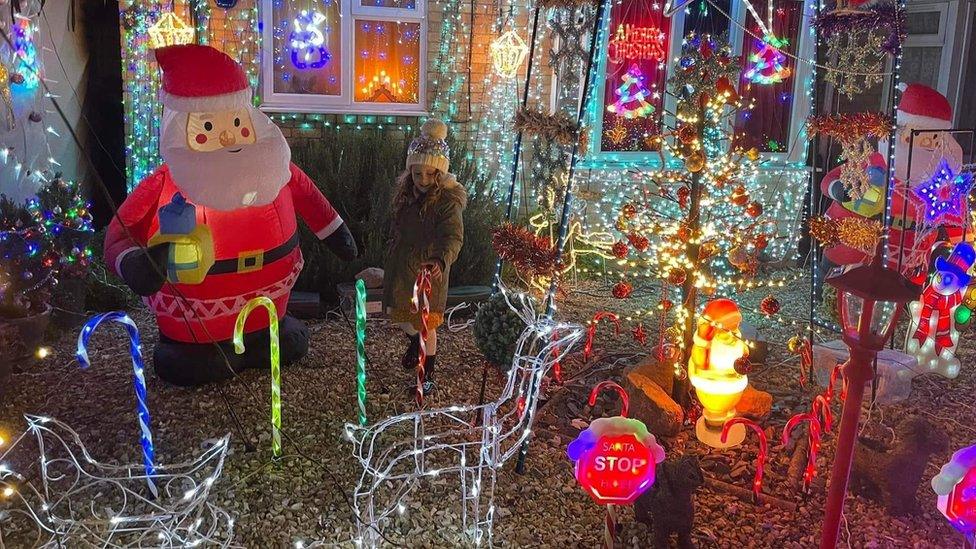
(769, 126)
(634, 70)
(344, 56)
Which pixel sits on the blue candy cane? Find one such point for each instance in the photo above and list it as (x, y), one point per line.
(142, 407)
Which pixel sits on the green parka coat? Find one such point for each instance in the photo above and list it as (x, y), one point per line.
(422, 235)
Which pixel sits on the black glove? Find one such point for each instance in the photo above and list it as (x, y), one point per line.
(139, 273)
(342, 244)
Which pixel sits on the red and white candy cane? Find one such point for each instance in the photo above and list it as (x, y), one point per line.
(610, 527)
(557, 368)
(814, 438)
(763, 450)
(610, 520)
(591, 331)
(821, 410)
(806, 360)
(837, 372)
(421, 304)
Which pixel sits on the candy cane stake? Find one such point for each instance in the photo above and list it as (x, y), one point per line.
(814, 438)
(361, 349)
(591, 331)
(142, 406)
(763, 450)
(821, 410)
(262, 301)
(610, 520)
(421, 304)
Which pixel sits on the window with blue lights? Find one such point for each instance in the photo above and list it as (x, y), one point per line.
(344, 56)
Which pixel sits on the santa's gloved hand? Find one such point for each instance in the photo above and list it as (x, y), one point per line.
(341, 243)
(140, 274)
(876, 176)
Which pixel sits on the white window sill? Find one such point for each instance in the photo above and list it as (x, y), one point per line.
(375, 109)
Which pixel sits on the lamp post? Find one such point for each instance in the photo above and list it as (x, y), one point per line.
(870, 298)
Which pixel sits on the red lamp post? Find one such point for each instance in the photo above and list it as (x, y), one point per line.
(870, 298)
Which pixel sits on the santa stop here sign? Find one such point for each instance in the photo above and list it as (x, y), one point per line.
(615, 457)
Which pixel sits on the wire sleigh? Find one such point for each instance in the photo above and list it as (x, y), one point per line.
(468, 443)
(70, 500)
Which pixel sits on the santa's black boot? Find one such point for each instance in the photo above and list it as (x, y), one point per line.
(192, 364)
(292, 344)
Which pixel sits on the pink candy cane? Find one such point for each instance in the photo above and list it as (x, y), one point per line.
(591, 331)
(763, 450)
(624, 397)
(421, 304)
(821, 410)
(814, 438)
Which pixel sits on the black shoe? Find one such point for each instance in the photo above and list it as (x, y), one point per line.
(292, 344)
(412, 355)
(192, 364)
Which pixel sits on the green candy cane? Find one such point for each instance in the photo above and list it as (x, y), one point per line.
(361, 349)
(275, 363)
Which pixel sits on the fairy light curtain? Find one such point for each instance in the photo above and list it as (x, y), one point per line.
(768, 126)
(634, 78)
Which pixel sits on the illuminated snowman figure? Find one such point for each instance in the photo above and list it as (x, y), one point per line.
(934, 336)
(712, 370)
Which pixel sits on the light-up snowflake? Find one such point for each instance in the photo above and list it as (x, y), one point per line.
(62, 497)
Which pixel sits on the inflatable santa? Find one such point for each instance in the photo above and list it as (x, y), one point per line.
(920, 108)
(214, 226)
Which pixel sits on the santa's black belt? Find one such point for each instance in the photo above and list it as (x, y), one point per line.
(253, 260)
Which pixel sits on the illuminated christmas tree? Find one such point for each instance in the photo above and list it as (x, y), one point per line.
(767, 62)
(632, 96)
(696, 229)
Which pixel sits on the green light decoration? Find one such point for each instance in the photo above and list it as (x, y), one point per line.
(631, 96)
(361, 349)
(262, 301)
(963, 315)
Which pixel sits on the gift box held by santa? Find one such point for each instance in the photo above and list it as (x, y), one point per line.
(909, 242)
(215, 225)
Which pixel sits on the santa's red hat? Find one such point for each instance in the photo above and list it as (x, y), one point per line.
(201, 79)
(923, 108)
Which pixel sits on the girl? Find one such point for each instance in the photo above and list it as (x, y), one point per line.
(427, 232)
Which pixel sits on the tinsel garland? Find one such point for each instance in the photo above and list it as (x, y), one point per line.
(531, 255)
(850, 127)
(857, 232)
(885, 16)
(556, 127)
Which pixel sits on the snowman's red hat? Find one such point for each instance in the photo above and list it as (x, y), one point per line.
(923, 108)
(200, 78)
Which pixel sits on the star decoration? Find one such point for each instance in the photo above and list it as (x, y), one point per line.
(945, 193)
(640, 336)
(617, 134)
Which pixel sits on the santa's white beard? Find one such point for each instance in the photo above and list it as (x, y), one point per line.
(225, 180)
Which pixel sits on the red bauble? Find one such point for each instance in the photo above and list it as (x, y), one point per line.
(740, 196)
(641, 243)
(687, 134)
(684, 233)
(677, 276)
(666, 304)
(769, 305)
(620, 250)
(629, 211)
(622, 290)
(754, 209)
(742, 365)
(761, 242)
(683, 194)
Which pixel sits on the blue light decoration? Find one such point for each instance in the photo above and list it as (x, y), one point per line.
(226, 4)
(307, 41)
(142, 407)
(945, 193)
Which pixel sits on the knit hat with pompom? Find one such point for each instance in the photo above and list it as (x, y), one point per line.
(430, 147)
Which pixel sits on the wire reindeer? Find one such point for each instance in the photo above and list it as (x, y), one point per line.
(73, 500)
(398, 452)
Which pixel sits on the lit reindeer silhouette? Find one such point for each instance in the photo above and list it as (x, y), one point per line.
(398, 452)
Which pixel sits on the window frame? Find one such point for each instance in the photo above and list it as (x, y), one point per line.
(802, 74)
(350, 12)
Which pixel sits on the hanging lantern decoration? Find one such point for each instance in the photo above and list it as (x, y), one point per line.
(168, 31)
(508, 51)
(767, 62)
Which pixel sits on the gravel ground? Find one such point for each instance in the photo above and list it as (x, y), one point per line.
(305, 496)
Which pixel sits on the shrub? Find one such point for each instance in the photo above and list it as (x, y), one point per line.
(496, 331)
(356, 171)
